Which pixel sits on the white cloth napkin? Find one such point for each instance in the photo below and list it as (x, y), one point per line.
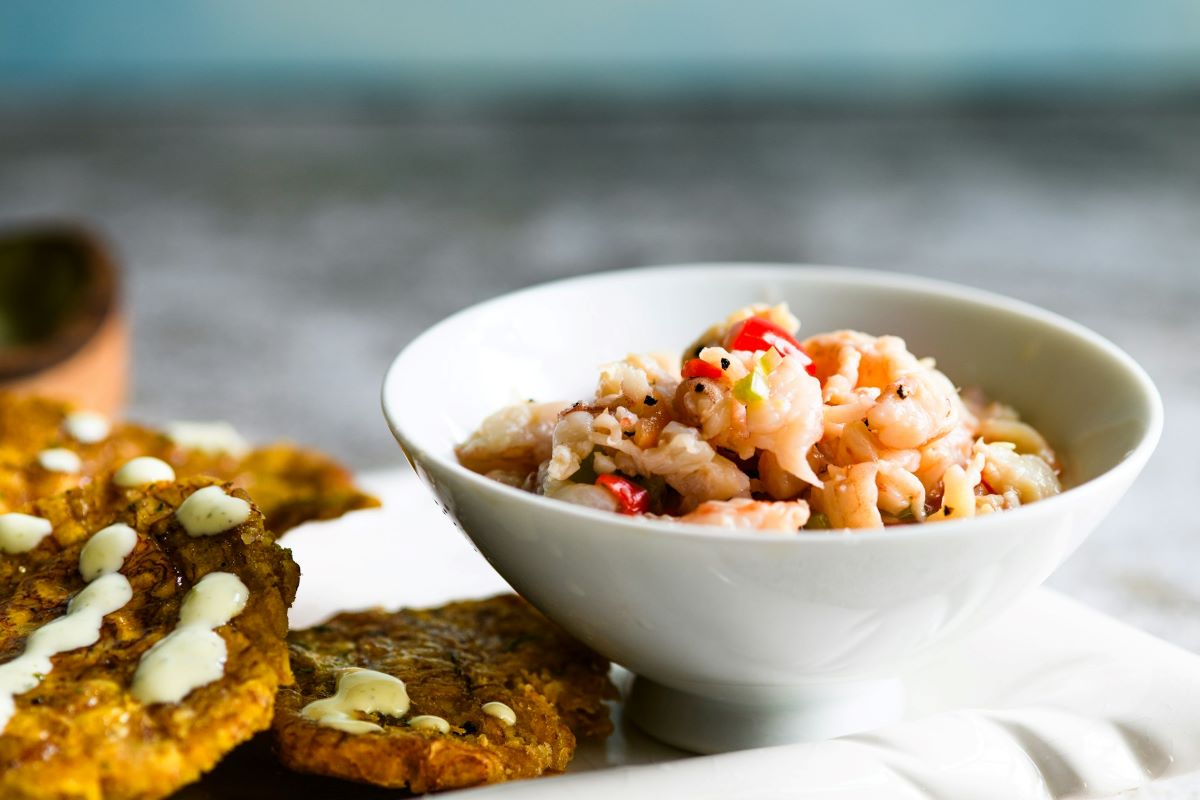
(1052, 700)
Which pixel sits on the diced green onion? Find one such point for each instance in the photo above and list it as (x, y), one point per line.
(817, 522)
(752, 388)
(770, 360)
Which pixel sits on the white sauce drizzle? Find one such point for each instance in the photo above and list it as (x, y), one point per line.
(428, 722)
(215, 438)
(216, 599)
(87, 427)
(106, 550)
(192, 655)
(79, 627)
(60, 459)
(348, 725)
(20, 533)
(362, 690)
(209, 511)
(142, 470)
(501, 712)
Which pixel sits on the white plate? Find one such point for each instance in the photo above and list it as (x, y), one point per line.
(1052, 700)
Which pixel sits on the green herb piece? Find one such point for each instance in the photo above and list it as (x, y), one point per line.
(752, 388)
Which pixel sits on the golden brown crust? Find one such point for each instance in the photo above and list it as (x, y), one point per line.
(79, 733)
(290, 484)
(453, 659)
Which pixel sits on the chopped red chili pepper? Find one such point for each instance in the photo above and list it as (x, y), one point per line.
(699, 368)
(757, 334)
(632, 498)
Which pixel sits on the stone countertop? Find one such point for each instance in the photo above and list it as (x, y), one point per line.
(277, 260)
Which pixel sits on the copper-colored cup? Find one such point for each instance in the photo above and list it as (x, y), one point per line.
(62, 332)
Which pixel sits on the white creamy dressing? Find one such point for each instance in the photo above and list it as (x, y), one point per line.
(106, 592)
(59, 459)
(192, 655)
(500, 711)
(106, 550)
(20, 533)
(142, 470)
(210, 511)
(428, 722)
(81, 625)
(87, 427)
(347, 724)
(216, 599)
(215, 438)
(359, 690)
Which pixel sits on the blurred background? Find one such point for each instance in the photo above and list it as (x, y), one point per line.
(295, 189)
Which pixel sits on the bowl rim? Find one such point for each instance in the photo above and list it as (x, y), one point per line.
(1134, 459)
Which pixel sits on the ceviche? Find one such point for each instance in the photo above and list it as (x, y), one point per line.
(756, 429)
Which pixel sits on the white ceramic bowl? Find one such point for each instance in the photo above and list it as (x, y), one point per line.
(743, 639)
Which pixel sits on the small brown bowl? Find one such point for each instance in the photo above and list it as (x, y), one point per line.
(62, 333)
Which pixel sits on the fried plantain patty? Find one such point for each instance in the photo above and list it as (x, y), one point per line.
(79, 733)
(291, 485)
(453, 660)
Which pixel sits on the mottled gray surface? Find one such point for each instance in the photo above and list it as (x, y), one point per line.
(278, 261)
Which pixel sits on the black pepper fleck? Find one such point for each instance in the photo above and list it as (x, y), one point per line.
(699, 387)
(948, 510)
(724, 363)
(900, 392)
(650, 401)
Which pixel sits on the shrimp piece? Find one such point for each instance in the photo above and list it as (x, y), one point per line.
(887, 361)
(787, 422)
(719, 479)
(776, 481)
(837, 353)
(915, 409)
(958, 489)
(838, 387)
(904, 401)
(850, 497)
(855, 443)
(937, 456)
(901, 493)
(708, 403)
(1030, 476)
(1023, 436)
(840, 418)
(514, 440)
(572, 443)
(710, 406)
(746, 514)
(681, 457)
(692, 467)
(859, 359)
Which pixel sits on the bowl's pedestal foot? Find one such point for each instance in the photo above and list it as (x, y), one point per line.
(756, 717)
